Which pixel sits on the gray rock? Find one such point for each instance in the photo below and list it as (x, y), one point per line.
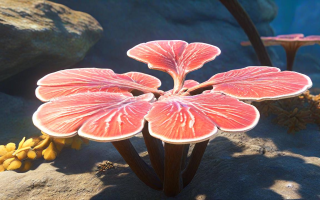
(41, 33)
(16, 118)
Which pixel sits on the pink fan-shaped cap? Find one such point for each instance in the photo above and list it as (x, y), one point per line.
(99, 116)
(258, 83)
(74, 81)
(291, 43)
(175, 57)
(192, 119)
(288, 41)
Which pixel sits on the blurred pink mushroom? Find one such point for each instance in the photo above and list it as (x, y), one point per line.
(290, 43)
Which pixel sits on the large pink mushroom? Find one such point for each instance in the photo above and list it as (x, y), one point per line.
(97, 104)
(291, 43)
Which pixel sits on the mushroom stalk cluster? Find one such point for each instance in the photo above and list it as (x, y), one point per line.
(171, 172)
(101, 105)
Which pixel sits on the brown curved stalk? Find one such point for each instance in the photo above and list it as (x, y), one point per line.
(172, 184)
(194, 162)
(291, 53)
(144, 172)
(155, 151)
(198, 89)
(247, 25)
(184, 156)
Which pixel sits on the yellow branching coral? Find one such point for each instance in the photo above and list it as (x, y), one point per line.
(21, 155)
(76, 143)
(6, 156)
(32, 154)
(3, 150)
(2, 168)
(11, 146)
(50, 153)
(12, 164)
(34, 148)
(26, 166)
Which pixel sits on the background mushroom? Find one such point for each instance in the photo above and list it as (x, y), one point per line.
(291, 43)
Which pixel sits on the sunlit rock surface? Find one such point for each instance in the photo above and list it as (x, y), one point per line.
(37, 33)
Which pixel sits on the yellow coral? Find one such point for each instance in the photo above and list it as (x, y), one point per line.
(6, 156)
(20, 150)
(32, 154)
(16, 164)
(26, 166)
(68, 141)
(39, 153)
(12, 164)
(2, 168)
(49, 153)
(76, 143)
(28, 143)
(59, 143)
(3, 150)
(22, 155)
(32, 148)
(21, 142)
(11, 146)
(43, 144)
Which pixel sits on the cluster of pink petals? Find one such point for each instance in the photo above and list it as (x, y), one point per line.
(97, 103)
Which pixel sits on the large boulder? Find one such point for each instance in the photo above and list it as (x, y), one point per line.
(37, 33)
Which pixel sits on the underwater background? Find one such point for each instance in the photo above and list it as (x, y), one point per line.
(127, 23)
(38, 37)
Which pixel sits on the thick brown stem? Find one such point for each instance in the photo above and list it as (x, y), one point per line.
(194, 162)
(155, 151)
(291, 53)
(144, 172)
(157, 94)
(247, 25)
(172, 184)
(184, 156)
